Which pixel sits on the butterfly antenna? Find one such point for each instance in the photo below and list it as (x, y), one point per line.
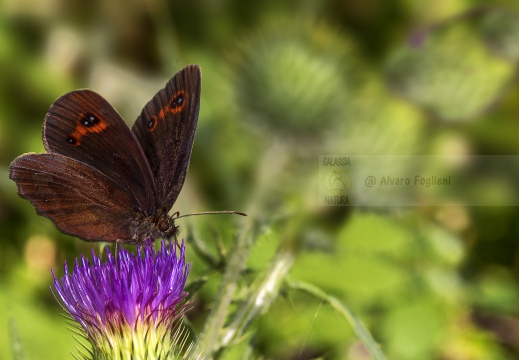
(178, 216)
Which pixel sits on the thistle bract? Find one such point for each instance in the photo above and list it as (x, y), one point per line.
(128, 307)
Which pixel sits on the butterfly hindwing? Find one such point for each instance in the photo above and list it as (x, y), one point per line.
(78, 198)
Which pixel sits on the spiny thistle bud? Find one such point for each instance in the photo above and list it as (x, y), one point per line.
(296, 79)
(449, 71)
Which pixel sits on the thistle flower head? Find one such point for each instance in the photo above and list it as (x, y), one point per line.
(128, 306)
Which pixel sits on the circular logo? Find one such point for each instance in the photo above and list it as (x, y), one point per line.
(337, 181)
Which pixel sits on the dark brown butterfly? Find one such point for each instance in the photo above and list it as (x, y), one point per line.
(101, 181)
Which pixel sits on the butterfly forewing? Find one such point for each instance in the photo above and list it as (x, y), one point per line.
(166, 131)
(79, 199)
(82, 125)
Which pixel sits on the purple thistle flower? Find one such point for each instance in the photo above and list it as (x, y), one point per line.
(129, 306)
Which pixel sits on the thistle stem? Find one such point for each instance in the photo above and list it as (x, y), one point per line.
(210, 337)
(262, 298)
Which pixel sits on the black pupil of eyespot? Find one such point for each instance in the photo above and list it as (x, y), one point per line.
(178, 100)
(71, 140)
(89, 119)
(150, 124)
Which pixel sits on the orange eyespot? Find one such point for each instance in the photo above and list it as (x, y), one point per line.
(176, 105)
(87, 123)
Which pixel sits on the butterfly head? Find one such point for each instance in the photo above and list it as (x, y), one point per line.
(166, 226)
(160, 227)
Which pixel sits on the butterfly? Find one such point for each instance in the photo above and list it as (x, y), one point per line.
(102, 181)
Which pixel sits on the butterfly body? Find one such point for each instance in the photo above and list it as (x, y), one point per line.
(101, 180)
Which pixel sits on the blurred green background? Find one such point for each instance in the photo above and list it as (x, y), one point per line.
(285, 82)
